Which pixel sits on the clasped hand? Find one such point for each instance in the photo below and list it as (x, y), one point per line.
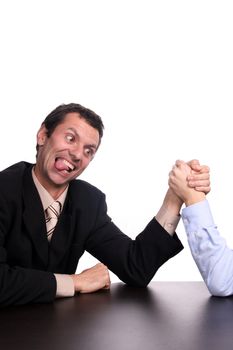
(189, 181)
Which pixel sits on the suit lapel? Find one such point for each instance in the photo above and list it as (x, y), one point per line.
(33, 216)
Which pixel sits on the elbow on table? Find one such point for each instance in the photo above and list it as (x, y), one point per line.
(218, 290)
(141, 282)
(138, 284)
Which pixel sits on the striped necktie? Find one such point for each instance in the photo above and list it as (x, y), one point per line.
(51, 217)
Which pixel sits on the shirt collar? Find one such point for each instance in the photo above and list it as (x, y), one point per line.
(45, 196)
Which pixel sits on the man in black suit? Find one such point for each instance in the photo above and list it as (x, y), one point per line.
(39, 251)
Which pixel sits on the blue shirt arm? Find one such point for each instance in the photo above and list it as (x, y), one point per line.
(209, 250)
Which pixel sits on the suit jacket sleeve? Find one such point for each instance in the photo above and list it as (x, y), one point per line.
(20, 285)
(134, 261)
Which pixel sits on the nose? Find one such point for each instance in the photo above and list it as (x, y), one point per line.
(76, 153)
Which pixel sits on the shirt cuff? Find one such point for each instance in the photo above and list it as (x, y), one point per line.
(167, 220)
(197, 215)
(65, 286)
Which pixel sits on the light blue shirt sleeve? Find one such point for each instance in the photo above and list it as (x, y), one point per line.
(209, 250)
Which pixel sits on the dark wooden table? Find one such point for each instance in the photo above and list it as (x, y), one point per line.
(166, 315)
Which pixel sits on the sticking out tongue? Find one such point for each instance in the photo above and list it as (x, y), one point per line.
(60, 164)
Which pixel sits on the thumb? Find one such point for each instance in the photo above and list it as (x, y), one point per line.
(194, 164)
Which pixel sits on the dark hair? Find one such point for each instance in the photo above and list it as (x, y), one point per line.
(57, 116)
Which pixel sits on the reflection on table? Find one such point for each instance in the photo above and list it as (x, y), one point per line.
(166, 315)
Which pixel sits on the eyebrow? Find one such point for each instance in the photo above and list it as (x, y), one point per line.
(76, 133)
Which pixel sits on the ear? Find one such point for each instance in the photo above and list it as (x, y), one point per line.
(41, 135)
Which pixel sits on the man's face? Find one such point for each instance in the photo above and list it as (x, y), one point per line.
(66, 153)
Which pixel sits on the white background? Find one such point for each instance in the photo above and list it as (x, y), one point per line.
(160, 73)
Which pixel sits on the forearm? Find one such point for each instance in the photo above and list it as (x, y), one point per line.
(169, 214)
(210, 252)
(134, 261)
(22, 286)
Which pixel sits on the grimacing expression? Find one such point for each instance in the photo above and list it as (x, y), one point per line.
(66, 153)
